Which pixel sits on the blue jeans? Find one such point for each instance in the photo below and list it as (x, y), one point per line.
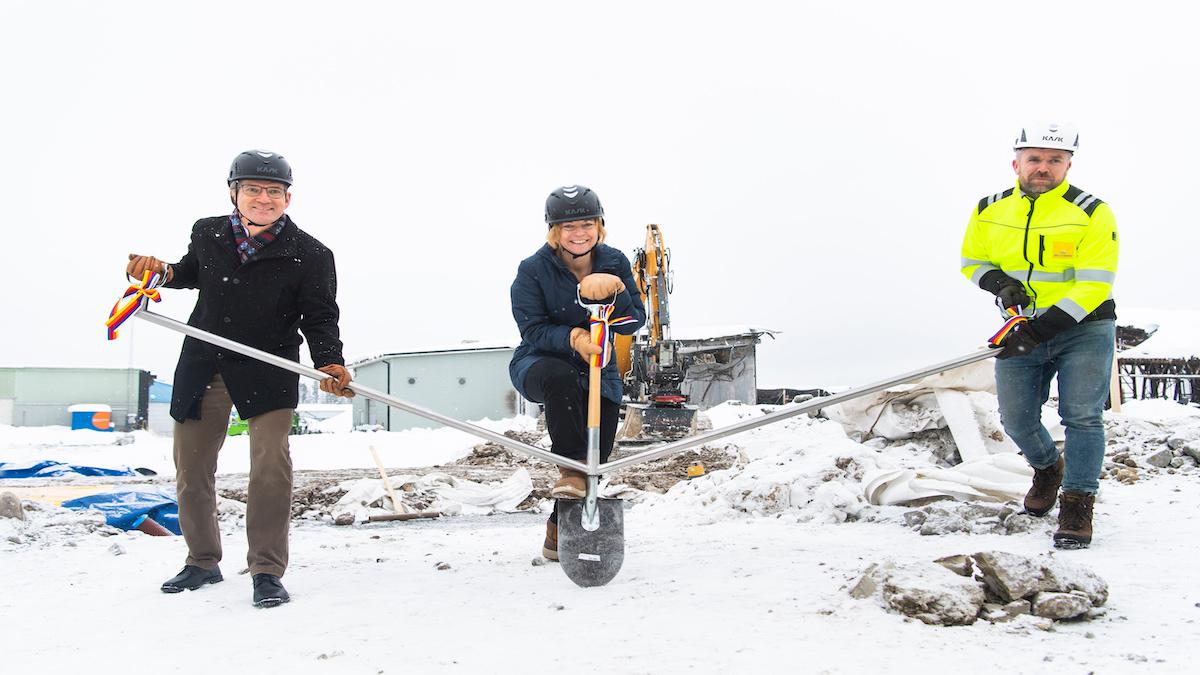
(1082, 358)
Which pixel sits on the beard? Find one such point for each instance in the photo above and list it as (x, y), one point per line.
(1037, 185)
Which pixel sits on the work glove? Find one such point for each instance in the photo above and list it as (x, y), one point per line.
(140, 264)
(1019, 341)
(581, 342)
(600, 286)
(337, 383)
(1012, 295)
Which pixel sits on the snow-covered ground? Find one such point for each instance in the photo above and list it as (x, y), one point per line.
(340, 449)
(716, 579)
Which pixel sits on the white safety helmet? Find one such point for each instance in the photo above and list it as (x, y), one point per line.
(1053, 136)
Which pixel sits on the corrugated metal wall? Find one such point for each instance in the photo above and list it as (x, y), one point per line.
(468, 385)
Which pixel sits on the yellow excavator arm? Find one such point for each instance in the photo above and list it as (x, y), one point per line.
(652, 373)
(652, 274)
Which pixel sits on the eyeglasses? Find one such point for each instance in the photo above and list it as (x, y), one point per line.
(584, 227)
(256, 190)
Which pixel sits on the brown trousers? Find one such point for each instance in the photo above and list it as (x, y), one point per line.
(269, 495)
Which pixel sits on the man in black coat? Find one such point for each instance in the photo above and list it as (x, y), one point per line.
(262, 281)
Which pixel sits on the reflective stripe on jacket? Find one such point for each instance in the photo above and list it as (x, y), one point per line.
(1061, 245)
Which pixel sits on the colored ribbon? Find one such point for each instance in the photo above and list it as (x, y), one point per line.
(136, 297)
(1015, 318)
(601, 322)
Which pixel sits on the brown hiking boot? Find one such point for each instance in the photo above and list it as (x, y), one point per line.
(550, 546)
(572, 485)
(1041, 497)
(1074, 520)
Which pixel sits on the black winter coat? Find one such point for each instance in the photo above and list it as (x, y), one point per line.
(291, 284)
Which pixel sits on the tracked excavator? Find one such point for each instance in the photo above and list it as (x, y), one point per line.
(652, 372)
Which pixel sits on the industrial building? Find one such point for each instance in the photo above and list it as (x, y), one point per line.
(32, 397)
(720, 365)
(466, 382)
(471, 382)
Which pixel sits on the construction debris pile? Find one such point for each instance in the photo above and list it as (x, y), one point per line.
(947, 516)
(347, 496)
(1142, 447)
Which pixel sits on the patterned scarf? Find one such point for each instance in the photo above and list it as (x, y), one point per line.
(247, 246)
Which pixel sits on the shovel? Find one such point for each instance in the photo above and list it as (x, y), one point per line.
(591, 531)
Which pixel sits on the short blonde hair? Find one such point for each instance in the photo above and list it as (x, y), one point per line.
(554, 236)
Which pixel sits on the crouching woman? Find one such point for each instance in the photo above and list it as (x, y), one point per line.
(550, 366)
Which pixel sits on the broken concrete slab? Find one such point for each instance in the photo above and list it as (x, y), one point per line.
(933, 594)
(1060, 606)
(1013, 577)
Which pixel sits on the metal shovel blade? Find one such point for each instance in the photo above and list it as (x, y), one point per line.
(591, 558)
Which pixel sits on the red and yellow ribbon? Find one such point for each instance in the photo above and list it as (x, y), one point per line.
(136, 297)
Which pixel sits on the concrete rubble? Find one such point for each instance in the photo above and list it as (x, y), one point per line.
(994, 586)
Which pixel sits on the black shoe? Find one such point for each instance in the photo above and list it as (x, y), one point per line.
(190, 578)
(268, 592)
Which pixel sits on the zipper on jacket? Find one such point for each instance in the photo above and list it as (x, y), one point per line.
(1042, 250)
(1025, 249)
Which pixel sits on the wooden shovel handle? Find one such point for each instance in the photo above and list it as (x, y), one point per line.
(593, 417)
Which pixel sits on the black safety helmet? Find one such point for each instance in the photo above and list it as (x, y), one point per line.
(261, 165)
(572, 202)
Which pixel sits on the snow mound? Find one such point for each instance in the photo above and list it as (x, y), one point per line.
(802, 467)
(1156, 410)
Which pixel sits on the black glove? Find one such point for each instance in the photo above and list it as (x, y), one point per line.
(1013, 295)
(1019, 341)
(1008, 290)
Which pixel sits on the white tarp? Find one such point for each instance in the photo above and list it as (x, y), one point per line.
(993, 478)
(963, 400)
(453, 495)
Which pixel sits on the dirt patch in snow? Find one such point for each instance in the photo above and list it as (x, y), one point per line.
(316, 491)
(661, 475)
(653, 476)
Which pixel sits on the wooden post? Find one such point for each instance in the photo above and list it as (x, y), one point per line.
(397, 505)
(403, 516)
(1114, 386)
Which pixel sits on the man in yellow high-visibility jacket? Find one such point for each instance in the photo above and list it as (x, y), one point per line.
(1050, 250)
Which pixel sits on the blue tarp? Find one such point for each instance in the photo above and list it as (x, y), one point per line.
(127, 509)
(49, 468)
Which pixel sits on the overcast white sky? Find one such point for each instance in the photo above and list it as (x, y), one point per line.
(812, 164)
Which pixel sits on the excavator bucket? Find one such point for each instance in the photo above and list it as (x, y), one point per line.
(591, 557)
(646, 423)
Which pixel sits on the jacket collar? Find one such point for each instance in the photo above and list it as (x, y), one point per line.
(604, 258)
(1058, 190)
(285, 243)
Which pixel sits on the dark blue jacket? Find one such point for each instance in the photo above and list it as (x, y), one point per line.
(545, 308)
